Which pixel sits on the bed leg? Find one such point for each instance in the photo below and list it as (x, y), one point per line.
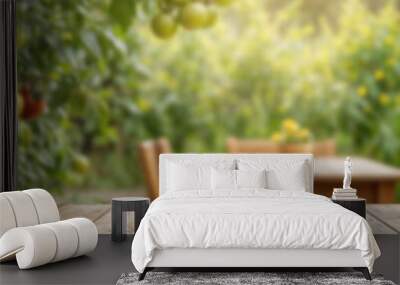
(143, 274)
(364, 271)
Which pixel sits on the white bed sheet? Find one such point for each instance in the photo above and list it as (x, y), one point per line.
(250, 218)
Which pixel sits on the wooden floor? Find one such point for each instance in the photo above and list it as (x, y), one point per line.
(100, 214)
(388, 214)
(380, 216)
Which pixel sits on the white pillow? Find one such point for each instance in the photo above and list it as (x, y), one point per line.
(185, 177)
(293, 180)
(281, 174)
(251, 178)
(205, 162)
(223, 179)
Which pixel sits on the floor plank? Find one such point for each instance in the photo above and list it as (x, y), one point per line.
(99, 214)
(377, 226)
(91, 212)
(104, 224)
(387, 213)
(385, 210)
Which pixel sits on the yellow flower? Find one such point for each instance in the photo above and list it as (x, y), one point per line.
(397, 100)
(389, 40)
(391, 61)
(143, 104)
(304, 134)
(379, 74)
(383, 99)
(367, 109)
(362, 91)
(276, 137)
(365, 31)
(290, 125)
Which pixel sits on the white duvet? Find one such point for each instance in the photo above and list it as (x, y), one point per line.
(250, 219)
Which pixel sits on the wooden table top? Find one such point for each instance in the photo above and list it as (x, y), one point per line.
(331, 168)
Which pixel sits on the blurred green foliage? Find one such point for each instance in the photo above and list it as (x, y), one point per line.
(108, 82)
(72, 56)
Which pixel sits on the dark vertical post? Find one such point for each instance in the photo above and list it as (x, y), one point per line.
(117, 221)
(8, 81)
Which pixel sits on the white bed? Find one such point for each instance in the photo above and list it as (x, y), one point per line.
(248, 227)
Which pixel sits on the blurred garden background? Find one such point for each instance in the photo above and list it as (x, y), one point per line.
(94, 80)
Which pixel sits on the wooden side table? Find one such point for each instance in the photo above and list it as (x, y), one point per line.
(356, 205)
(120, 206)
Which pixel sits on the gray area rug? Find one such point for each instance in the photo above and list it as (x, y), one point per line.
(229, 278)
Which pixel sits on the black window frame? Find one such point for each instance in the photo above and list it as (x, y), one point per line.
(8, 98)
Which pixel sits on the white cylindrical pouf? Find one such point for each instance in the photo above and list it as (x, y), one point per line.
(34, 246)
(7, 218)
(31, 232)
(23, 208)
(67, 240)
(45, 205)
(87, 234)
